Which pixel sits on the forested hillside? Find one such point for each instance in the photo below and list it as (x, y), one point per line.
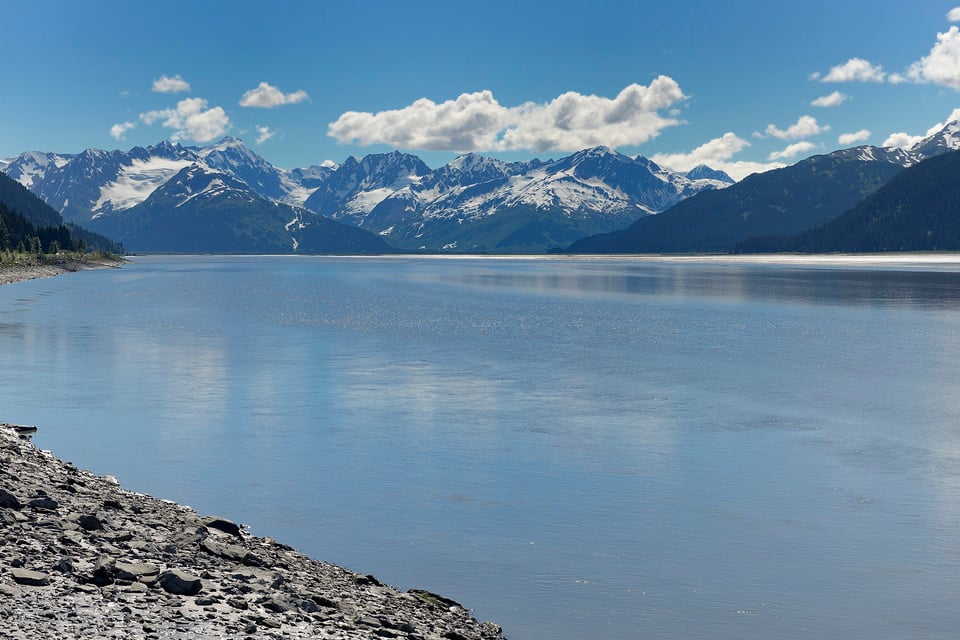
(917, 210)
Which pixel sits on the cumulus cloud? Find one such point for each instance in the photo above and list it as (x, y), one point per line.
(478, 122)
(119, 130)
(805, 127)
(573, 121)
(191, 120)
(853, 70)
(717, 154)
(264, 134)
(901, 140)
(954, 14)
(792, 151)
(942, 65)
(834, 99)
(267, 96)
(166, 84)
(852, 138)
(905, 140)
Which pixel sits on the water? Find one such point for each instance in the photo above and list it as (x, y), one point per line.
(602, 449)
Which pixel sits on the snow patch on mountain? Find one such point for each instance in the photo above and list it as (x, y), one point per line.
(30, 167)
(135, 183)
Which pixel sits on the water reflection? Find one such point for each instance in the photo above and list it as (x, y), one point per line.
(576, 448)
(807, 285)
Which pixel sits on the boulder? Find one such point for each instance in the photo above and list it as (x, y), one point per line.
(90, 523)
(137, 572)
(222, 524)
(9, 501)
(180, 583)
(105, 571)
(44, 503)
(29, 578)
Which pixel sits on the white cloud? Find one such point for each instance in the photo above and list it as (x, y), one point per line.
(853, 70)
(573, 121)
(905, 140)
(902, 140)
(805, 127)
(477, 122)
(852, 138)
(834, 99)
(264, 134)
(472, 122)
(166, 84)
(191, 120)
(942, 65)
(267, 96)
(954, 14)
(716, 154)
(120, 129)
(709, 153)
(792, 151)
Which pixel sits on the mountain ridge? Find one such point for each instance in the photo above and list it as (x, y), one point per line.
(784, 201)
(474, 203)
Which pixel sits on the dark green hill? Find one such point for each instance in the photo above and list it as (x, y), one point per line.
(918, 210)
(18, 198)
(783, 201)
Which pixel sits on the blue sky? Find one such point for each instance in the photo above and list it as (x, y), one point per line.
(732, 84)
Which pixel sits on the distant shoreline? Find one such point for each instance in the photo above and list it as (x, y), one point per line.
(17, 273)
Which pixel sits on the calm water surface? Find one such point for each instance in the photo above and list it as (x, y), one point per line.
(599, 449)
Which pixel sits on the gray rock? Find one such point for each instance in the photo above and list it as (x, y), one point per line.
(137, 572)
(104, 572)
(29, 578)
(180, 583)
(71, 538)
(9, 501)
(231, 552)
(224, 525)
(43, 503)
(90, 523)
(65, 566)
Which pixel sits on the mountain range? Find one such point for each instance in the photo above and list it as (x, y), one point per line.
(474, 203)
(782, 202)
(224, 197)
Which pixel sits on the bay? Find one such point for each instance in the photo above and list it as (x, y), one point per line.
(574, 448)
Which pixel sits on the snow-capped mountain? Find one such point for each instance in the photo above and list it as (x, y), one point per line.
(96, 182)
(31, 166)
(203, 210)
(359, 185)
(869, 153)
(393, 194)
(943, 141)
(480, 204)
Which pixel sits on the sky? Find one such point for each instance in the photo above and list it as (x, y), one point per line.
(741, 86)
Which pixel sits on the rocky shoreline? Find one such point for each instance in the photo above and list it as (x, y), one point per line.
(18, 272)
(82, 557)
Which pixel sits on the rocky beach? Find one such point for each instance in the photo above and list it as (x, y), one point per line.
(81, 557)
(16, 272)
